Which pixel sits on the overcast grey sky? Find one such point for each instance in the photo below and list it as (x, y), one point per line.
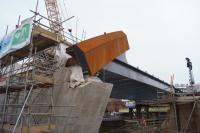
(161, 33)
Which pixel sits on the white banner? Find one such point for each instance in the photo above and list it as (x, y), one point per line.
(17, 39)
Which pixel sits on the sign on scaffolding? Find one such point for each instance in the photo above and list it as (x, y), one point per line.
(17, 39)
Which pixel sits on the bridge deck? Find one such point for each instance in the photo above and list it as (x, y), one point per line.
(132, 83)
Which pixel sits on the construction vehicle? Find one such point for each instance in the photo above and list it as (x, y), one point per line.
(191, 77)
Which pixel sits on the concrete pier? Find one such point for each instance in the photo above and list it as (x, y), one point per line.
(85, 104)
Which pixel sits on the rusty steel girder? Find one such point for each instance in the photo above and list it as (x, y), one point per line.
(93, 54)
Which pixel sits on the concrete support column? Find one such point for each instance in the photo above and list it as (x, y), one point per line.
(85, 104)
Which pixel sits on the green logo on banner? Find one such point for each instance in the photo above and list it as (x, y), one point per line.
(21, 35)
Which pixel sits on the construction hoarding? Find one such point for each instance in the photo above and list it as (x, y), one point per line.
(17, 39)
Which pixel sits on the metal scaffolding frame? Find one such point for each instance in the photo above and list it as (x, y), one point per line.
(23, 81)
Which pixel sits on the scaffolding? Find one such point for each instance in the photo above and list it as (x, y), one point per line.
(26, 77)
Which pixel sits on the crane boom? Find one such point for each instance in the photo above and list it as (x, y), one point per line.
(54, 16)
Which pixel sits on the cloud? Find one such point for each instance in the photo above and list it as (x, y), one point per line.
(161, 32)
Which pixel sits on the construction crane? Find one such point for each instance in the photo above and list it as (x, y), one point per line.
(54, 17)
(191, 77)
